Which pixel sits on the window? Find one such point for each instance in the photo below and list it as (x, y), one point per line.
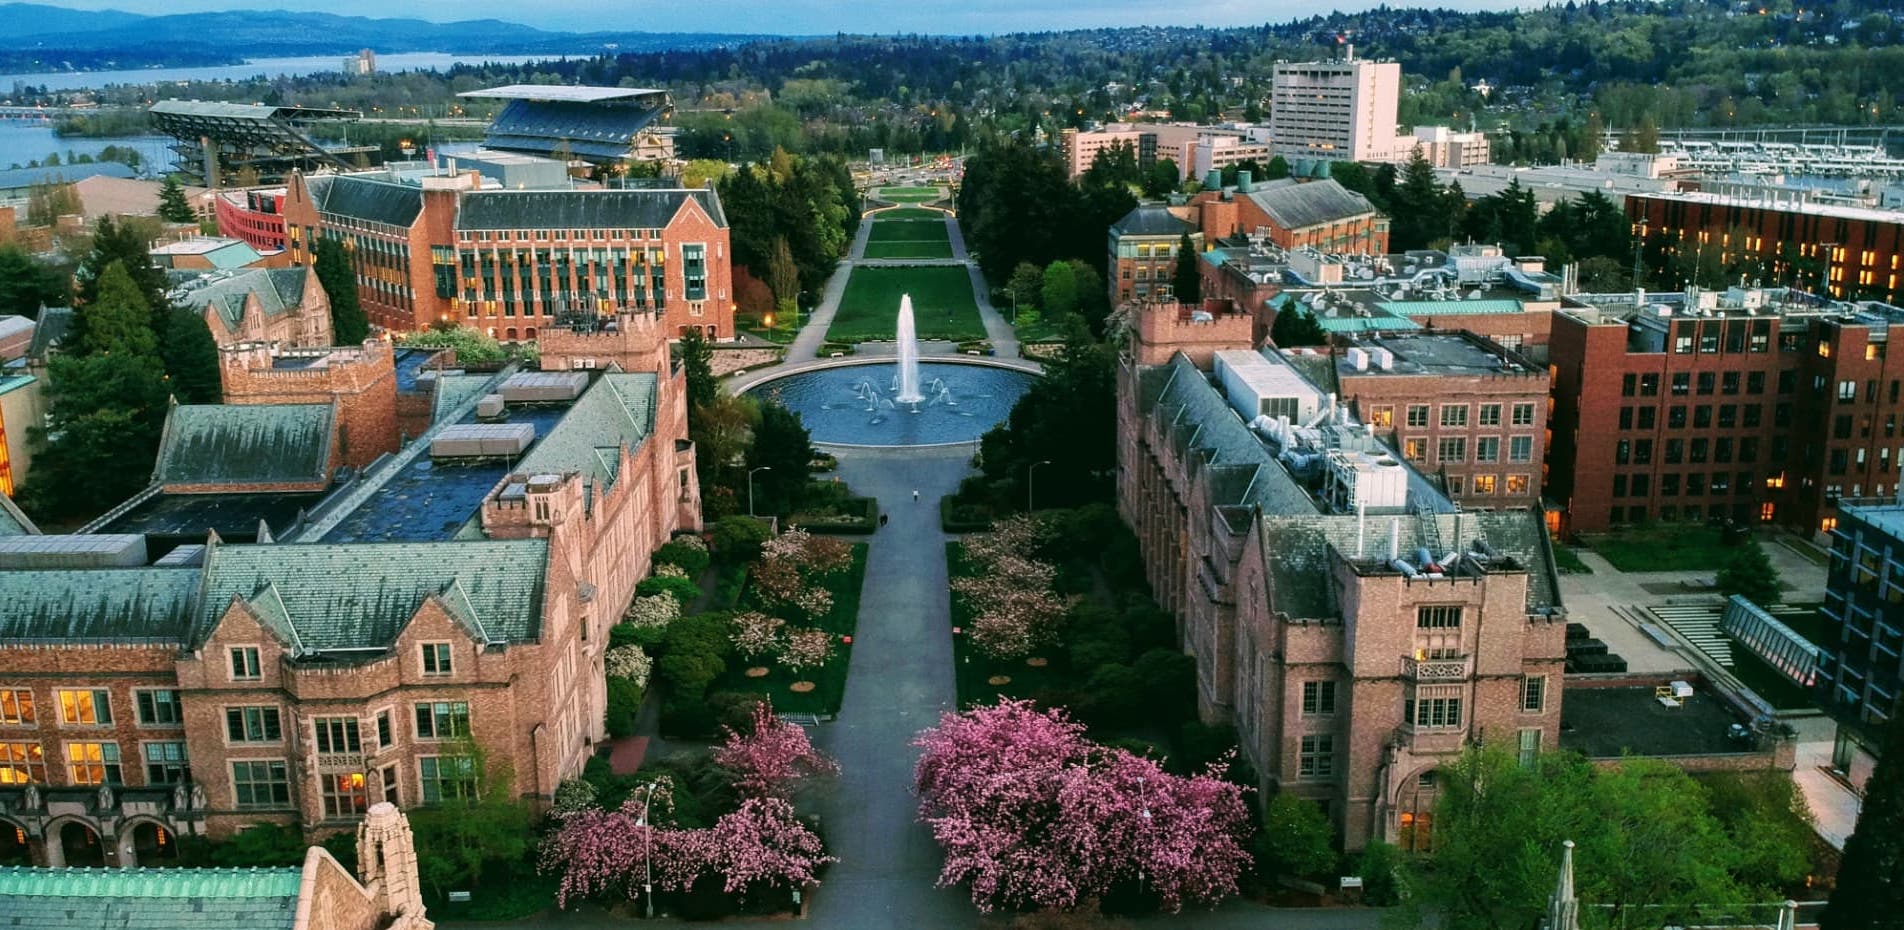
(16, 707)
(252, 725)
(1627, 383)
(1417, 414)
(446, 777)
(1847, 391)
(1649, 385)
(1706, 381)
(1382, 417)
(1755, 382)
(1454, 414)
(1533, 693)
(1529, 746)
(1490, 414)
(1728, 415)
(1524, 415)
(264, 783)
(442, 720)
(385, 736)
(1318, 698)
(1483, 484)
(93, 764)
(1729, 383)
(390, 791)
(1517, 485)
(345, 794)
(1702, 416)
(1415, 450)
(1520, 448)
(337, 734)
(1318, 756)
(1676, 417)
(1437, 712)
(1438, 616)
(1454, 449)
(436, 658)
(22, 764)
(244, 664)
(1487, 449)
(1682, 384)
(1682, 345)
(164, 763)
(158, 708)
(85, 708)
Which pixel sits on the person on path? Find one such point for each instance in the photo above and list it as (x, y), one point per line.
(915, 494)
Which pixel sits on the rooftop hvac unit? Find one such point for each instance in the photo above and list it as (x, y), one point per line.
(1383, 358)
(1358, 358)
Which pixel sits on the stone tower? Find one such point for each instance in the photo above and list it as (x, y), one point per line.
(387, 864)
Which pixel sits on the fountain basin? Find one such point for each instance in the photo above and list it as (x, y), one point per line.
(856, 403)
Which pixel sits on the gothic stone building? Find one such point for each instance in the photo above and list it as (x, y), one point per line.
(1358, 636)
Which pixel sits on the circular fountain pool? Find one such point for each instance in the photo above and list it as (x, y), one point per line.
(857, 405)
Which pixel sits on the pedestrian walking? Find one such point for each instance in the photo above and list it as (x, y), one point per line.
(915, 494)
(883, 518)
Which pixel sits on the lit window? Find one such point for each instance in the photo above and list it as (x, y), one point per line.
(85, 708)
(16, 707)
(345, 794)
(93, 763)
(22, 764)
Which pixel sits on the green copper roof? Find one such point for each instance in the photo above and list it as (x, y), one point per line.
(324, 597)
(239, 444)
(150, 899)
(122, 605)
(12, 521)
(1380, 322)
(617, 411)
(1450, 307)
(279, 291)
(453, 391)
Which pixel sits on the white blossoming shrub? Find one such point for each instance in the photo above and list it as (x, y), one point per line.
(629, 662)
(654, 610)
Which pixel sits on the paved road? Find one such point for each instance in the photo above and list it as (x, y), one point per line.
(1003, 337)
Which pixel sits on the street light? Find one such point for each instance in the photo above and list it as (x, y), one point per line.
(647, 849)
(1031, 485)
(750, 486)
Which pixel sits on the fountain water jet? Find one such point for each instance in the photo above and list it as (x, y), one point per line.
(908, 354)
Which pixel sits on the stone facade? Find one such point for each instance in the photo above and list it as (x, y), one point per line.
(303, 324)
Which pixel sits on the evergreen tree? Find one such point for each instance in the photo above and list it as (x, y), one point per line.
(191, 358)
(26, 285)
(1296, 326)
(1277, 169)
(349, 326)
(117, 321)
(123, 242)
(1870, 892)
(1420, 213)
(172, 205)
(697, 358)
(782, 445)
(1027, 286)
(1186, 282)
(1750, 575)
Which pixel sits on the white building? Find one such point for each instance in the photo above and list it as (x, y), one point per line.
(1342, 110)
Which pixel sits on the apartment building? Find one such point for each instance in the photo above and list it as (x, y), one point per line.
(1342, 110)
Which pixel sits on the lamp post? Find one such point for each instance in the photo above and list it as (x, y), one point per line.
(750, 486)
(647, 849)
(1031, 485)
(1144, 797)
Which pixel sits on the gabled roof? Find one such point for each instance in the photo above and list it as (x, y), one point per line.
(1151, 219)
(617, 411)
(150, 899)
(367, 199)
(279, 291)
(359, 596)
(116, 605)
(590, 209)
(243, 444)
(53, 324)
(453, 391)
(1293, 204)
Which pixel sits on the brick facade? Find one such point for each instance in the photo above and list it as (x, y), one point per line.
(360, 383)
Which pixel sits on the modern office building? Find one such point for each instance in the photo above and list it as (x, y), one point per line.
(1840, 251)
(1356, 626)
(1445, 148)
(1863, 593)
(255, 215)
(1342, 109)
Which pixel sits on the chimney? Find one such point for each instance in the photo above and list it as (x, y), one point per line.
(1244, 182)
(1213, 179)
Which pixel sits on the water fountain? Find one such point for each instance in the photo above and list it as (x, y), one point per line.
(908, 354)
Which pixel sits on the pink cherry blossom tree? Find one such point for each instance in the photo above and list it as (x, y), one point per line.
(772, 759)
(762, 844)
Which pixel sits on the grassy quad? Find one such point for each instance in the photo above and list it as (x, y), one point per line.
(942, 304)
(908, 238)
(910, 194)
(909, 213)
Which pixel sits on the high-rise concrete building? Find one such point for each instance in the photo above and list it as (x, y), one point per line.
(1342, 110)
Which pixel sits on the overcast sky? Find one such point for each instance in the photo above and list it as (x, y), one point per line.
(807, 17)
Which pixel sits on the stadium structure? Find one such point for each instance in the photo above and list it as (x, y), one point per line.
(218, 143)
(599, 125)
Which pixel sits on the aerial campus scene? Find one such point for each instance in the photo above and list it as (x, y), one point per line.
(1050, 466)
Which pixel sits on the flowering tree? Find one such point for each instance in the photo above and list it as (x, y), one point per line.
(652, 611)
(756, 634)
(1010, 620)
(1018, 536)
(769, 761)
(806, 648)
(780, 584)
(815, 555)
(628, 662)
(669, 570)
(1032, 814)
(764, 845)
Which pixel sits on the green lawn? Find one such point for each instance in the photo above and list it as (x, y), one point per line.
(909, 194)
(941, 302)
(1663, 548)
(906, 238)
(830, 680)
(909, 213)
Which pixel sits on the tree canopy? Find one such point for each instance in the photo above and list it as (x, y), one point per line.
(349, 325)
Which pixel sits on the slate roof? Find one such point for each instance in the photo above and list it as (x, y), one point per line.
(243, 444)
(595, 209)
(366, 199)
(322, 597)
(149, 899)
(1295, 204)
(53, 324)
(117, 605)
(453, 391)
(618, 410)
(279, 291)
(1151, 219)
(12, 521)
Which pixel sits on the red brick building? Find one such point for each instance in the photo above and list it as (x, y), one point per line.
(1351, 668)
(1290, 213)
(513, 262)
(1860, 249)
(1143, 251)
(256, 216)
(1755, 406)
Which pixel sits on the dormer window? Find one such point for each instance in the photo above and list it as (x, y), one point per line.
(436, 659)
(244, 664)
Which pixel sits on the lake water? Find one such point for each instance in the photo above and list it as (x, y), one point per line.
(262, 67)
(23, 142)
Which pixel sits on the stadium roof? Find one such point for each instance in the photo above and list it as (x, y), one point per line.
(256, 111)
(560, 93)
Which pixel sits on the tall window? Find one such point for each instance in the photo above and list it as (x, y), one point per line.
(1453, 449)
(22, 764)
(252, 725)
(261, 783)
(345, 794)
(1438, 616)
(1417, 414)
(1317, 759)
(1434, 711)
(337, 734)
(1487, 449)
(16, 707)
(442, 720)
(93, 764)
(1454, 414)
(1318, 698)
(86, 708)
(244, 664)
(1533, 693)
(385, 733)
(1490, 414)
(694, 271)
(446, 778)
(1529, 746)
(158, 707)
(436, 658)
(391, 792)
(164, 763)
(1520, 448)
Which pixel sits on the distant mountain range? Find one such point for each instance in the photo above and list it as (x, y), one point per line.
(41, 37)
